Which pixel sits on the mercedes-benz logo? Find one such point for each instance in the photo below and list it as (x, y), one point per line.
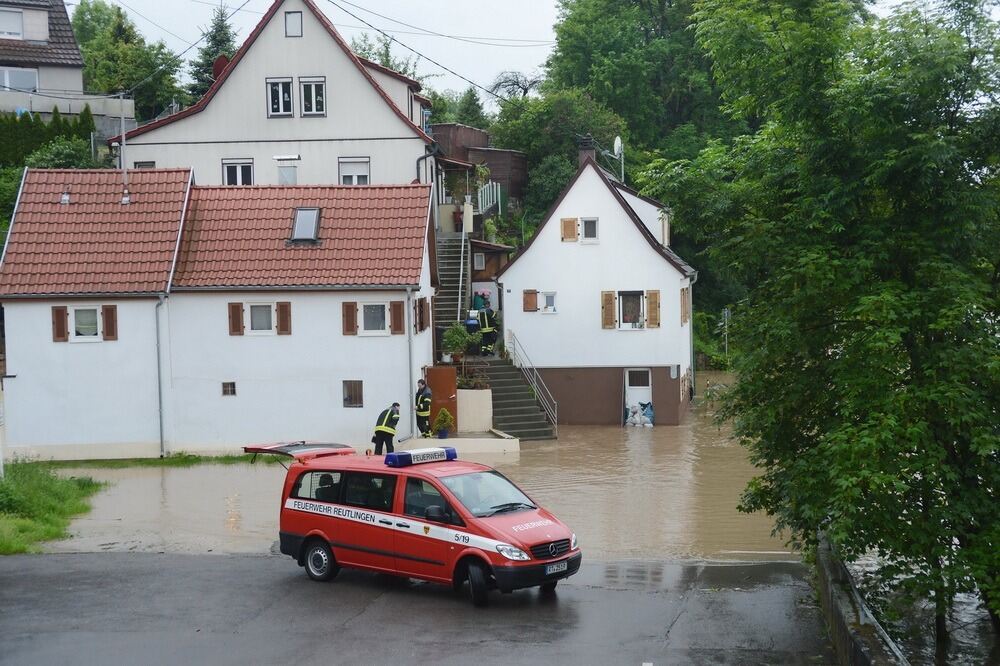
(553, 549)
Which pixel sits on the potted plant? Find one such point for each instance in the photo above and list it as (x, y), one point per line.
(455, 341)
(443, 422)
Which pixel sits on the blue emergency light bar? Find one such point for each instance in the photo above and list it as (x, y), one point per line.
(417, 456)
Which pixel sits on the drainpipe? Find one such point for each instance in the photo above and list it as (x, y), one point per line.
(409, 354)
(435, 149)
(159, 374)
(694, 278)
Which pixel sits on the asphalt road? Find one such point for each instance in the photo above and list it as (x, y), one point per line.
(121, 608)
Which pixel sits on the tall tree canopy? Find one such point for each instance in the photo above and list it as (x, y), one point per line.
(380, 50)
(117, 58)
(469, 110)
(640, 59)
(864, 218)
(219, 40)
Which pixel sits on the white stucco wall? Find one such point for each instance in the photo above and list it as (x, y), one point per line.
(622, 260)
(288, 387)
(80, 399)
(235, 124)
(652, 216)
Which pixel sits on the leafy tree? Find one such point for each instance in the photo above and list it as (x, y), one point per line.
(63, 153)
(643, 63)
(546, 181)
(443, 105)
(219, 40)
(90, 19)
(10, 181)
(552, 124)
(469, 110)
(117, 58)
(380, 51)
(863, 218)
(21, 135)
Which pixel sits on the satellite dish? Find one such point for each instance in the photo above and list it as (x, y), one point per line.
(618, 146)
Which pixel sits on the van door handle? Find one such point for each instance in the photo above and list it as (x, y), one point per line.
(386, 522)
(406, 525)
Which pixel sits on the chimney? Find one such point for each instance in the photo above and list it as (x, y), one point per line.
(219, 65)
(587, 148)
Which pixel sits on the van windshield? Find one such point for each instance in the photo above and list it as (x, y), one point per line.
(487, 493)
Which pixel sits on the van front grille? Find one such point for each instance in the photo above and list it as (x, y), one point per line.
(547, 551)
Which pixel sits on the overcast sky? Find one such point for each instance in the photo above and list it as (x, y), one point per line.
(512, 34)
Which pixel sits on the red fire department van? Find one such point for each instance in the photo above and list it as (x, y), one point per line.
(420, 514)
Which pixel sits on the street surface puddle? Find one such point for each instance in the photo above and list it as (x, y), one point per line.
(629, 493)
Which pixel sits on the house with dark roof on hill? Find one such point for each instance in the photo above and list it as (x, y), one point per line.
(41, 67)
(171, 316)
(601, 305)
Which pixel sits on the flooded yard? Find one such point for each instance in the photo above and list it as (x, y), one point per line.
(642, 493)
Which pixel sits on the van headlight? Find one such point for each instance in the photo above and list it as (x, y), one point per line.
(512, 553)
(572, 542)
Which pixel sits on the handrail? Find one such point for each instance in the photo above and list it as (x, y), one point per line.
(461, 279)
(535, 381)
(488, 196)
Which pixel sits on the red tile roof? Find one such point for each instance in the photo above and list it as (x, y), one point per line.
(94, 244)
(239, 237)
(202, 103)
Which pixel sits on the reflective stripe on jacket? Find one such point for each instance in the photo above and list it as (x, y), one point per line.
(487, 321)
(387, 421)
(423, 402)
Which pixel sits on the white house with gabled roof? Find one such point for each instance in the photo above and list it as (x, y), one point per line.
(177, 317)
(601, 305)
(294, 106)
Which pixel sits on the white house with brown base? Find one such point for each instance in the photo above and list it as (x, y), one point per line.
(201, 319)
(602, 305)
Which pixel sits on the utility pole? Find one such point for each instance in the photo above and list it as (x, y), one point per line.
(121, 152)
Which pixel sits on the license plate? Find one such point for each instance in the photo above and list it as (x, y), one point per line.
(555, 568)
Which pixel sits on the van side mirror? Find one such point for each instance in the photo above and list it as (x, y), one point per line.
(435, 513)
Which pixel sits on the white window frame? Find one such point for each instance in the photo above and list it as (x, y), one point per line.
(361, 319)
(301, 27)
(479, 261)
(247, 316)
(291, 94)
(583, 230)
(13, 35)
(311, 81)
(545, 309)
(354, 176)
(5, 83)
(144, 164)
(622, 326)
(240, 163)
(73, 337)
(290, 170)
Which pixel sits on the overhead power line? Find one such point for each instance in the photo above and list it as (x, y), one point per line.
(151, 21)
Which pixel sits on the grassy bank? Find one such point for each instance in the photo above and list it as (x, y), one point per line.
(172, 460)
(36, 505)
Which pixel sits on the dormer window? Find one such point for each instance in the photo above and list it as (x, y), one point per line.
(11, 24)
(306, 226)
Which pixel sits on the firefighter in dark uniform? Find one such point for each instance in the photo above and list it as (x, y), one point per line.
(422, 407)
(488, 327)
(385, 429)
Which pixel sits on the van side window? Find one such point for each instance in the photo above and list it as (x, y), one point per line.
(369, 491)
(421, 494)
(322, 486)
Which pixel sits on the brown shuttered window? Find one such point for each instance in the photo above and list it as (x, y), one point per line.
(109, 321)
(284, 309)
(425, 314)
(609, 314)
(569, 229)
(235, 319)
(530, 300)
(397, 317)
(653, 308)
(60, 323)
(350, 310)
(685, 305)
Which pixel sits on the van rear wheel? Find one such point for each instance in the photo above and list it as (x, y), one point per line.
(478, 588)
(319, 562)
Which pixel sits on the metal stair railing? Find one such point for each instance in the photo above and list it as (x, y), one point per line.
(542, 394)
(461, 279)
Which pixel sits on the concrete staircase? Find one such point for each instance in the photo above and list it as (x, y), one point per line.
(454, 283)
(515, 410)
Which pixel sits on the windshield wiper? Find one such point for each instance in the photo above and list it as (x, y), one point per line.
(509, 506)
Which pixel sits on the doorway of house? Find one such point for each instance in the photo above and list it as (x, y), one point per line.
(638, 387)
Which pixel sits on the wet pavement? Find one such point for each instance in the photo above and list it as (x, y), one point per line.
(175, 608)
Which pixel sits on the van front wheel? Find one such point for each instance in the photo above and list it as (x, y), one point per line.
(478, 588)
(319, 562)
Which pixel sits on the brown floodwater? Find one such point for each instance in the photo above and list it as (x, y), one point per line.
(668, 492)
